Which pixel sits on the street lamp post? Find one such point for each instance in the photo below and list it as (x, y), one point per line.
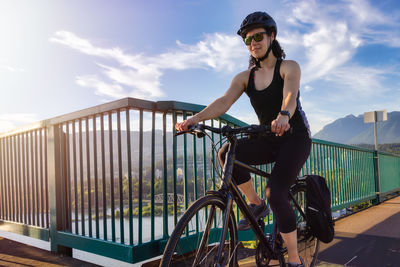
(375, 116)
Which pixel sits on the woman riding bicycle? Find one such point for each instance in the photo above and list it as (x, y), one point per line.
(272, 84)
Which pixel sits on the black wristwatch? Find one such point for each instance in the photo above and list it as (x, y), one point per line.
(285, 112)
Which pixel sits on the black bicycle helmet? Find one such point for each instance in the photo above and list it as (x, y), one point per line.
(257, 20)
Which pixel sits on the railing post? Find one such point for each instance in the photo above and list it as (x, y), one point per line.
(56, 192)
(377, 182)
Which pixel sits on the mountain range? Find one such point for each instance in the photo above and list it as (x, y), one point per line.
(352, 130)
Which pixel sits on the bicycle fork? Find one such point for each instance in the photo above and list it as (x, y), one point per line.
(227, 214)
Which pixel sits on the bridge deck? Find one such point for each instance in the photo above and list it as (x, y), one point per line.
(13, 253)
(370, 238)
(367, 238)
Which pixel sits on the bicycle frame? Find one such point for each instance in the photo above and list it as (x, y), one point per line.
(232, 193)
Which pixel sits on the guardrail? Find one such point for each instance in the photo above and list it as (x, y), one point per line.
(89, 179)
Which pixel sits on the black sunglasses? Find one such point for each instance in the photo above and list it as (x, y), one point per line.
(258, 37)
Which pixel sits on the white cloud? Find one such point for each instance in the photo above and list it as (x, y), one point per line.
(325, 52)
(145, 81)
(325, 42)
(220, 52)
(364, 81)
(10, 68)
(366, 14)
(326, 35)
(73, 41)
(102, 88)
(139, 76)
(13, 120)
(374, 25)
(308, 88)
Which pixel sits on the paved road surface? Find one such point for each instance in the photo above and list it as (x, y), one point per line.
(370, 238)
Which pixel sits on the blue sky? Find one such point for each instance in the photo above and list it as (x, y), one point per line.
(58, 56)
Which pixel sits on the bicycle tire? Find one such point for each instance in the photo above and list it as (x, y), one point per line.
(182, 244)
(307, 243)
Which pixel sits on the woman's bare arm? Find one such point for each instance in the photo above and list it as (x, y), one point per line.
(221, 104)
(290, 71)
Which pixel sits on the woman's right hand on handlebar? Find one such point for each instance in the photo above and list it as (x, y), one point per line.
(184, 125)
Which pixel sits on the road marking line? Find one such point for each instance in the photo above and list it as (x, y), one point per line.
(350, 260)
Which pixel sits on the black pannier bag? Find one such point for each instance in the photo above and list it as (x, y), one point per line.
(319, 213)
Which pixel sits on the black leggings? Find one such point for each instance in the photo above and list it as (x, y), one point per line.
(289, 153)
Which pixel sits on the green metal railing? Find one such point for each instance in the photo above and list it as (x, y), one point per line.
(113, 180)
(388, 165)
(349, 171)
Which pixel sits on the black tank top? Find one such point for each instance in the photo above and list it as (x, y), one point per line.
(268, 102)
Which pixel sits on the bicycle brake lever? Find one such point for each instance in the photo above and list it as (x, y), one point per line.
(197, 130)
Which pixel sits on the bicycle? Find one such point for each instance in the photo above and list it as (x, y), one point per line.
(216, 242)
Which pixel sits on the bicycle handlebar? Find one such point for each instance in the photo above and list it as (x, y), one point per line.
(199, 130)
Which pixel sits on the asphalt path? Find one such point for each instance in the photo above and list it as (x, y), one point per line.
(369, 238)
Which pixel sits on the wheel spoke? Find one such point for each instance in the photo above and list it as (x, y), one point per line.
(199, 247)
(204, 239)
(308, 246)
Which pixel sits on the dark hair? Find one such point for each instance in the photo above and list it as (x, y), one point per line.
(276, 50)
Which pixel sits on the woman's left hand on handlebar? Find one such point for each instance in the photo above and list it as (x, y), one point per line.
(280, 125)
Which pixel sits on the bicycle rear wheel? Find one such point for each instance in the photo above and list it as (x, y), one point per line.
(307, 244)
(195, 239)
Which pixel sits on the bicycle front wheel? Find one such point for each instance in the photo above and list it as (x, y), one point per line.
(307, 244)
(195, 239)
